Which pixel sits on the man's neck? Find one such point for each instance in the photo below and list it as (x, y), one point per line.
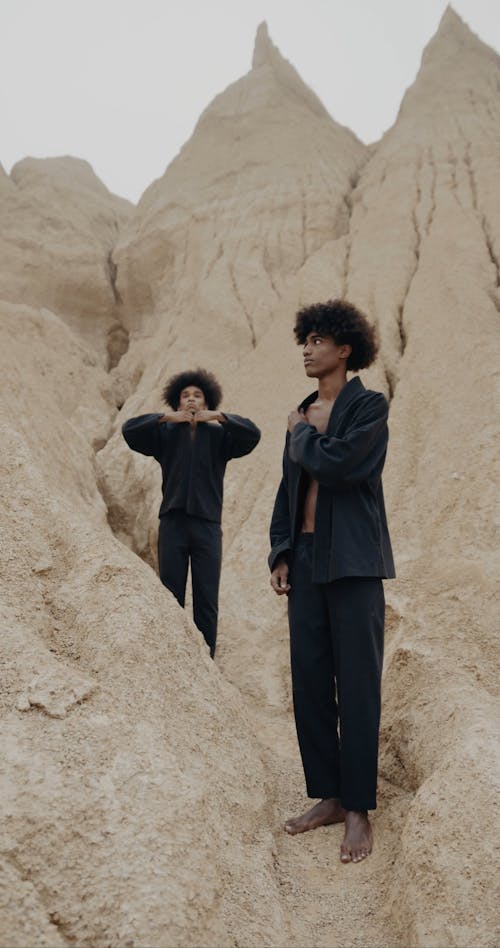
(331, 385)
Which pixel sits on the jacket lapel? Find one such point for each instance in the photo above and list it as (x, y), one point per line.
(353, 387)
(348, 393)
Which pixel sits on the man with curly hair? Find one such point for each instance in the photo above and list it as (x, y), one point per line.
(192, 441)
(330, 549)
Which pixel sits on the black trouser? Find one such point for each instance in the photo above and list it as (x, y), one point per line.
(336, 643)
(181, 538)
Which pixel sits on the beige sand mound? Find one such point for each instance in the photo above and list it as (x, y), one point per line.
(132, 792)
(59, 227)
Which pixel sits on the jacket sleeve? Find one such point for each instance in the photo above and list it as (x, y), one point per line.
(240, 436)
(143, 434)
(344, 462)
(280, 530)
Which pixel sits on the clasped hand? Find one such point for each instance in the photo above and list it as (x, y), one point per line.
(294, 417)
(190, 416)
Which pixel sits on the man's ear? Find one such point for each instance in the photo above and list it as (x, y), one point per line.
(345, 351)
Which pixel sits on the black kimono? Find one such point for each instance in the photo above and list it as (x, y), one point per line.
(193, 467)
(350, 536)
(336, 601)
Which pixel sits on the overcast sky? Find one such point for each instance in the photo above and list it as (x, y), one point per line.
(122, 83)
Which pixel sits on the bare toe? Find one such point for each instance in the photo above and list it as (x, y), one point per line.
(358, 836)
(360, 855)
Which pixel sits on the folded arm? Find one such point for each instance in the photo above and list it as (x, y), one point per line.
(351, 459)
(143, 434)
(240, 435)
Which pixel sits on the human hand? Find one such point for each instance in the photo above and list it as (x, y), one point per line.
(279, 578)
(205, 414)
(294, 417)
(178, 416)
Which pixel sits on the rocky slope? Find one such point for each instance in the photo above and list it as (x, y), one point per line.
(143, 787)
(59, 227)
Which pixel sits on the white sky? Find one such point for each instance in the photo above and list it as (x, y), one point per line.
(122, 83)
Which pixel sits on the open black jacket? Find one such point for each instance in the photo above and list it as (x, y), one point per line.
(350, 532)
(193, 468)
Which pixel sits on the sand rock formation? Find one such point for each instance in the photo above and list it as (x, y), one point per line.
(251, 195)
(208, 254)
(115, 827)
(143, 787)
(441, 297)
(59, 227)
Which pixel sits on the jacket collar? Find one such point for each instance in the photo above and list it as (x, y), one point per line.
(353, 387)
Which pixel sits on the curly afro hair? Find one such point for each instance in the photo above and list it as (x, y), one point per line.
(346, 324)
(199, 377)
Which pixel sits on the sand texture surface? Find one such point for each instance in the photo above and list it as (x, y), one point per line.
(143, 787)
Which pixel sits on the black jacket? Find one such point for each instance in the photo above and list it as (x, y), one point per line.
(350, 532)
(193, 469)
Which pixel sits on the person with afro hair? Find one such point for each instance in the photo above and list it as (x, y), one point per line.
(192, 441)
(330, 550)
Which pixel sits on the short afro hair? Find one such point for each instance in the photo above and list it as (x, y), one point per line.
(346, 324)
(199, 377)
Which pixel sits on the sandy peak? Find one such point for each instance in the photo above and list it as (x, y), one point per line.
(264, 49)
(454, 30)
(267, 54)
(447, 61)
(451, 18)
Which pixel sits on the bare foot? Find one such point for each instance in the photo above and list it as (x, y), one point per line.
(321, 814)
(358, 838)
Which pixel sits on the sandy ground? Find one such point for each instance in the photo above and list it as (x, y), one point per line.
(326, 903)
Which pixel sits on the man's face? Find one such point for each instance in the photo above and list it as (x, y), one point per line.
(322, 355)
(192, 399)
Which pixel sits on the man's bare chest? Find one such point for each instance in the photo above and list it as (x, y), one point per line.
(318, 414)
